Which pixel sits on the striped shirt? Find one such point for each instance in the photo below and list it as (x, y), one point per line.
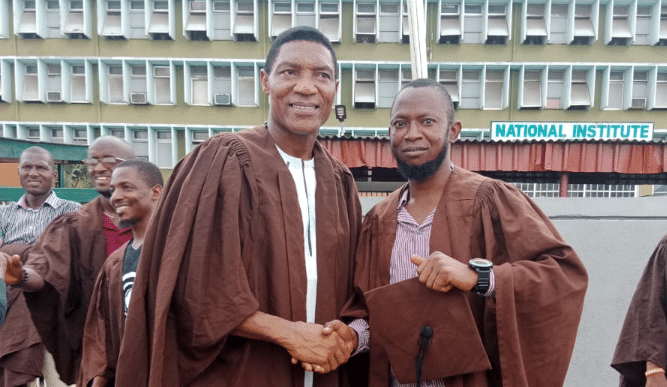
(411, 239)
(20, 224)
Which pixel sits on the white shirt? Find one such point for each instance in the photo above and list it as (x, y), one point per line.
(303, 173)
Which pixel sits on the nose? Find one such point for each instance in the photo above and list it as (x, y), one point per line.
(115, 196)
(99, 167)
(33, 172)
(413, 132)
(305, 84)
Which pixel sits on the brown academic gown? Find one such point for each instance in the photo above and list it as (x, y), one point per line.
(644, 333)
(529, 328)
(226, 241)
(21, 349)
(68, 255)
(104, 322)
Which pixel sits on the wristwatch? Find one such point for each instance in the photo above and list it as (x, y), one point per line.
(483, 269)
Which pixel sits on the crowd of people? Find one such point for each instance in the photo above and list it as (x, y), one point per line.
(253, 266)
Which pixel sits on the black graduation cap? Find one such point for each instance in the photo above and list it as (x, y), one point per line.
(402, 316)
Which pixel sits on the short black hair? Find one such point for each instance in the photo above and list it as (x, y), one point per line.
(305, 33)
(426, 82)
(38, 150)
(148, 172)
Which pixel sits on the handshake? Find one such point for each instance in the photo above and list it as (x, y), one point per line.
(321, 348)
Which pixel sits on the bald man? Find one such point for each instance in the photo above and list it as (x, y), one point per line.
(21, 223)
(61, 269)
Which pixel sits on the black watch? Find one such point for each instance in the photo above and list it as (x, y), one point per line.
(483, 269)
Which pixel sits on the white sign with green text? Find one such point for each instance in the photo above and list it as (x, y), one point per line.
(559, 131)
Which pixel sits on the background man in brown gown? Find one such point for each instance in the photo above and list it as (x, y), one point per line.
(21, 223)
(523, 301)
(64, 263)
(136, 186)
(251, 248)
(641, 351)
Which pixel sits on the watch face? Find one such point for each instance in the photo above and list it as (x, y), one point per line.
(481, 263)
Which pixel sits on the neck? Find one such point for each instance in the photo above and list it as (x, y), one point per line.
(430, 188)
(293, 145)
(36, 201)
(139, 233)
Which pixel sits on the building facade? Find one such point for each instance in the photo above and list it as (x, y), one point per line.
(167, 74)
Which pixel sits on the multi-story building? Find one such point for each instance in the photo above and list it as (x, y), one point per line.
(167, 74)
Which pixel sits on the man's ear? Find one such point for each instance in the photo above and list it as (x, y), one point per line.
(264, 80)
(454, 131)
(156, 190)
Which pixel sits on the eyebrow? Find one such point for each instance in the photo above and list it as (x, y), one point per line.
(294, 64)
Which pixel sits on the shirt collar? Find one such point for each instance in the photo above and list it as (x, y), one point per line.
(52, 200)
(291, 160)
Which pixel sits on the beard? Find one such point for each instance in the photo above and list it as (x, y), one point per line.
(128, 223)
(107, 194)
(423, 171)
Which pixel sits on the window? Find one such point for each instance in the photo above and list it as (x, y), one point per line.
(53, 83)
(539, 190)
(643, 25)
(138, 88)
(244, 21)
(473, 23)
(26, 26)
(639, 90)
(364, 88)
(56, 134)
(222, 85)
(245, 84)
(140, 143)
(663, 26)
(162, 82)
(115, 83)
(305, 14)
(555, 86)
(584, 24)
(494, 89)
(198, 137)
(199, 85)
(470, 89)
(33, 133)
(449, 79)
(4, 27)
(53, 19)
(390, 23)
(558, 27)
(329, 21)
(80, 136)
(388, 85)
(111, 20)
(579, 94)
(536, 28)
(616, 90)
(163, 149)
(222, 25)
(137, 19)
(78, 85)
(365, 20)
(406, 77)
(159, 26)
(30, 83)
(281, 17)
(620, 27)
(497, 31)
(661, 91)
(195, 25)
(601, 190)
(450, 24)
(75, 27)
(532, 89)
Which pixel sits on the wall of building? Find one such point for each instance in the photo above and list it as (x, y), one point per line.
(614, 238)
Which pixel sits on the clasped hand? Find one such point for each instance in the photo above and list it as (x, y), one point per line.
(441, 272)
(323, 348)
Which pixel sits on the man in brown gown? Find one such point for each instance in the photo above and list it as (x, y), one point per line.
(136, 187)
(525, 313)
(67, 257)
(244, 261)
(641, 351)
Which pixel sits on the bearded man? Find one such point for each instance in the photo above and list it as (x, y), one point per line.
(464, 271)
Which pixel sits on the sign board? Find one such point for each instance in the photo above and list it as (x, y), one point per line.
(568, 131)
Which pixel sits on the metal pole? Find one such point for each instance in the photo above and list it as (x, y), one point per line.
(417, 24)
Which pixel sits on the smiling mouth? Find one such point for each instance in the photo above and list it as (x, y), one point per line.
(304, 108)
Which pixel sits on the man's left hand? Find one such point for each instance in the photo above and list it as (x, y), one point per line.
(14, 273)
(349, 337)
(441, 272)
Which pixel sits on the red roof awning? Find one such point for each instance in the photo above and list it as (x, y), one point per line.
(601, 157)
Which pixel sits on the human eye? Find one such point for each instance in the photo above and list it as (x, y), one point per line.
(429, 121)
(398, 123)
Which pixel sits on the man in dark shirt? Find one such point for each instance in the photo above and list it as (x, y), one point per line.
(136, 187)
